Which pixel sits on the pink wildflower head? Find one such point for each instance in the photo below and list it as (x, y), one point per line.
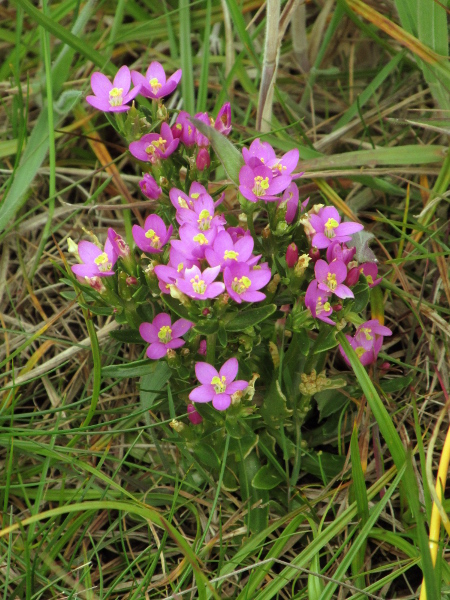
(223, 120)
(260, 184)
(115, 96)
(217, 387)
(318, 303)
(330, 278)
(370, 272)
(328, 227)
(242, 282)
(184, 130)
(154, 85)
(201, 140)
(162, 335)
(337, 251)
(149, 187)
(290, 197)
(262, 153)
(367, 341)
(96, 263)
(153, 236)
(291, 255)
(153, 146)
(193, 242)
(225, 252)
(120, 247)
(200, 285)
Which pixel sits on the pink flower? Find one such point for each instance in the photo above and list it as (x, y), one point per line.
(112, 97)
(330, 278)
(370, 272)
(262, 153)
(318, 303)
(184, 130)
(202, 348)
(242, 282)
(192, 242)
(96, 263)
(149, 187)
(203, 159)
(260, 184)
(120, 247)
(223, 120)
(154, 84)
(337, 251)
(367, 341)
(290, 196)
(162, 335)
(217, 387)
(201, 215)
(153, 146)
(328, 227)
(225, 252)
(200, 285)
(153, 236)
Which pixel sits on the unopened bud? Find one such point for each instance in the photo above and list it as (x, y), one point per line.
(194, 417)
(291, 255)
(272, 285)
(203, 159)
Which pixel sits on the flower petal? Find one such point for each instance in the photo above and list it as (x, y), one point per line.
(221, 401)
(203, 393)
(229, 370)
(156, 350)
(205, 372)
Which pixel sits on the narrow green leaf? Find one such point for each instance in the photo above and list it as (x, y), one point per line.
(250, 317)
(266, 478)
(227, 152)
(187, 81)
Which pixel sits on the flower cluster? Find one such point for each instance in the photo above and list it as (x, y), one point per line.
(194, 266)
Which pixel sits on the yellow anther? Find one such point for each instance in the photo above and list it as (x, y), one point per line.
(261, 185)
(155, 239)
(241, 285)
(360, 351)
(165, 334)
(231, 254)
(219, 384)
(330, 226)
(115, 97)
(198, 285)
(103, 263)
(368, 333)
(182, 202)
(331, 281)
(204, 220)
(155, 85)
(200, 239)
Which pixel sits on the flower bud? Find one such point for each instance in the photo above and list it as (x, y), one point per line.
(95, 283)
(314, 254)
(203, 160)
(162, 113)
(302, 265)
(202, 348)
(291, 255)
(194, 417)
(149, 187)
(353, 276)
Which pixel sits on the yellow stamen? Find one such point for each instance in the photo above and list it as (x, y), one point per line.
(219, 384)
(115, 97)
(200, 239)
(155, 239)
(155, 85)
(331, 281)
(165, 334)
(231, 254)
(261, 185)
(330, 226)
(103, 263)
(198, 285)
(241, 285)
(204, 220)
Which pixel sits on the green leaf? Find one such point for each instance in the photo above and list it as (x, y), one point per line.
(128, 336)
(361, 291)
(257, 517)
(207, 326)
(158, 374)
(329, 402)
(133, 369)
(228, 154)
(207, 455)
(325, 340)
(222, 336)
(175, 306)
(397, 384)
(274, 410)
(251, 317)
(266, 478)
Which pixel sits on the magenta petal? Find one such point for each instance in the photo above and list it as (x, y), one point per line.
(88, 271)
(137, 149)
(101, 85)
(237, 386)
(253, 296)
(148, 332)
(214, 289)
(248, 194)
(156, 350)
(123, 79)
(221, 401)
(348, 228)
(162, 320)
(229, 370)
(329, 212)
(320, 241)
(101, 104)
(88, 251)
(180, 327)
(290, 160)
(278, 184)
(156, 71)
(321, 270)
(176, 343)
(205, 372)
(203, 393)
(342, 291)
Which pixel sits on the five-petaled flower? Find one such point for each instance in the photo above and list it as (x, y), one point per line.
(162, 335)
(200, 285)
(330, 278)
(259, 183)
(115, 96)
(96, 262)
(367, 341)
(328, 228)
(154, 84)
(154, 146)
(217, 387)
(153, 236)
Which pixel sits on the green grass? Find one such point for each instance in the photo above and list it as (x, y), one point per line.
(99, 498)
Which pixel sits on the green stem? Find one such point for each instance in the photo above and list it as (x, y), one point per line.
(211, 340)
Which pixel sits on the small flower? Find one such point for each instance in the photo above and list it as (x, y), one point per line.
(318, 303)
(202, 348)
(120, 247)
(184, 130)
(330, 278)
(367, 341)
(112, 97)
(217, 387)
(153, 146)
(193, 242)
(201, 215)
(368, 269)
(242, 282)
(149, 187)
(290, 196)
(328, 228)
(96, 263)
(223, 120)
(260, 184)
(154, 84)
(337, 251)
(200, 285)
(201, 140)
(262, 153)
(225, 252)
(153, 236)
(162, 335)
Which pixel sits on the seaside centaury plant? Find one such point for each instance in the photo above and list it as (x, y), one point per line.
(248, 306)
